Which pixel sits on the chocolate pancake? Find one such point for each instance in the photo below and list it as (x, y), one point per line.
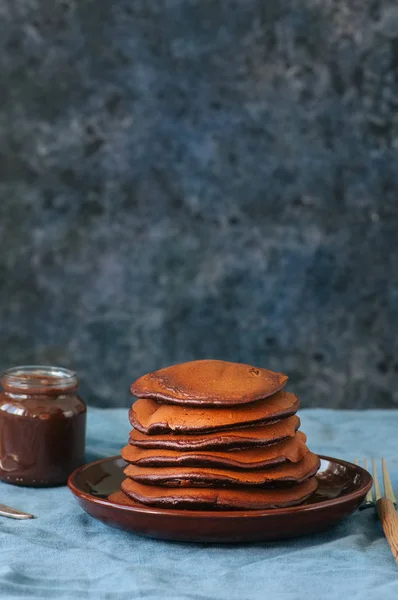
(290, 450)
(209, 383)
(260, 435)
(287, 473)
(150, 417)
(215, 499)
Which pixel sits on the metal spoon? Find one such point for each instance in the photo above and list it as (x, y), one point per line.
(13, 513)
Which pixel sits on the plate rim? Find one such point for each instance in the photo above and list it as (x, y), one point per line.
(223, 514)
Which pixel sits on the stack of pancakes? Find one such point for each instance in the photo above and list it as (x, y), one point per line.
(210, 434)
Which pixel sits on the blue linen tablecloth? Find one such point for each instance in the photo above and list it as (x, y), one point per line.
(64, 553)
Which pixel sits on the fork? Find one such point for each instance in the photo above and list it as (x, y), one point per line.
(386, 505)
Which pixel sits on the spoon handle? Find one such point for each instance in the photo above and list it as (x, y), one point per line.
(13, 513)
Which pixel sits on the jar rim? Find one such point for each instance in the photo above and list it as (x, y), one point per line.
(39, 378)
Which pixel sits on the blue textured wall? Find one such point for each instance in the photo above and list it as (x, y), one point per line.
(201, 178)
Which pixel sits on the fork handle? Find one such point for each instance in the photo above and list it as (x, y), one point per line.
(389, 520)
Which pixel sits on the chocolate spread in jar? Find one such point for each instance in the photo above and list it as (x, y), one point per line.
(42, 426)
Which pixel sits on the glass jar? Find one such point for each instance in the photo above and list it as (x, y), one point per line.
(42, 426)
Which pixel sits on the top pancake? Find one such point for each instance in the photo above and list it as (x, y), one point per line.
(209, 383)
(151, 418)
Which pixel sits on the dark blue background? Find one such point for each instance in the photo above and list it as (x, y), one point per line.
(196, 178)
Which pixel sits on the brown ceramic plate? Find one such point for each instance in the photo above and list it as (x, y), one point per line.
(341, 488)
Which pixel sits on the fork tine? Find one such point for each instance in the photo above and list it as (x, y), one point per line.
(375, 480)
(369, 495)
(368, 502)
(388, 491)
